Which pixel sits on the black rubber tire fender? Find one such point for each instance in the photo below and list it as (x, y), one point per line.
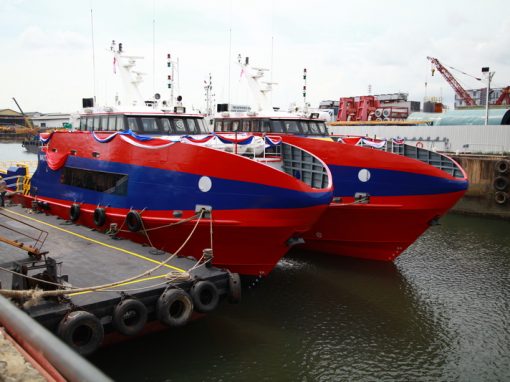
(74, 212)
(134, 221)
(205, 296)
(234, 286)
(501, 197)
(174, 307)
(129, 316)
(501, 183)
(82, 331)
(99, 216)
(502, 166)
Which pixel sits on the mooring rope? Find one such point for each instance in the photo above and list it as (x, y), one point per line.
(37, 294)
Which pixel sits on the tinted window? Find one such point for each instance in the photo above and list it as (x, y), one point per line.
(120, 122)
(104, 122)
(291, 127)
(277, 126)
(165, 124)
(202, 127)
(245, 125)
(107, 182)
(192, 126)
(111, 122)
(313, 128)
(96, 123)
(149, 125)
(304, 127)
(90, 123)
(265, 126)
(83, 123)
(180, 128)
(235, 125)
(322, 128)
(132, 124)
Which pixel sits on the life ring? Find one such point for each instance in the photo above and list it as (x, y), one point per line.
(205, 296)
(129, 317)
(174, 307)
(74, 212)
(419, 145)
(501, 183)
(234, 288)
(502, 166)
(99, 216)
(134, 221)
(82, 331)
(500, 197)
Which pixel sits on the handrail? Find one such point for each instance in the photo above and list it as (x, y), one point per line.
(25, 330)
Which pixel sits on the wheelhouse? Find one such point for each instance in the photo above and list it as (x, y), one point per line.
(271, 125)
(165, 124)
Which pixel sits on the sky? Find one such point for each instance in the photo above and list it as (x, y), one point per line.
(56, 52)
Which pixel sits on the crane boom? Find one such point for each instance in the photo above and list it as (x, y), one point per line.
(459, 90)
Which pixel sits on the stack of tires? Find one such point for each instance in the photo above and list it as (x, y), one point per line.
(502, 181)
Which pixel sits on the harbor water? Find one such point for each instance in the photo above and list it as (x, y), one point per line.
(441, 311)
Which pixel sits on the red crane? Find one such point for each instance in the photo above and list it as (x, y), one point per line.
(459, 90)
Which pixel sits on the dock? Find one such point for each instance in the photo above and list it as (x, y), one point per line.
(89, 287)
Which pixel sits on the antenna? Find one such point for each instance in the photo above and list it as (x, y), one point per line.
(153, 46)
(304, 91)
(93, 52)
(170, 64)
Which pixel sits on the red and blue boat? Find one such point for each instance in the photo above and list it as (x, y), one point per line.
(386, 194)
(142, 170)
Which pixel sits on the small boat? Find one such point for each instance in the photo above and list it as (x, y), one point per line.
(144, 172)
(32, 145)
(386, 194)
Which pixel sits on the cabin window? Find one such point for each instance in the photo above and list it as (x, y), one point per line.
(304, 127)
(235, 125)
(265, 126)
(165, 124)
(202, 127)
(180, 128)
(277, 126)
(192, 126)
(314, 129)
(96, 123)
(217, 126)
(149, 125)
(132, 124)
(90, 123)
(120, 123)
(99, 181)
(255, 125)
(291, 127)
(83, 123)
(111, 122)
(226, 125)
(246, 126)
(322, 128)
(104, 122)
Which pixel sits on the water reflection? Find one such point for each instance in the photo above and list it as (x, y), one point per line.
(314, 318)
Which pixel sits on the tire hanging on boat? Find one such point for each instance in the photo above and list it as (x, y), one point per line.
(174, 307)
(501, 183)
(82, 331)
(74, 212)
(205, 296)
(502, 166)
(500, 197)
(234, 286)
(99, 216)
(129, 317)
(134, 221)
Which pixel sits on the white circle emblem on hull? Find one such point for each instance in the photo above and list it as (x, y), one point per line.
(364, 175)
(205, 184)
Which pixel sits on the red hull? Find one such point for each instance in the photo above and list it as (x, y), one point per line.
(376, 231)
(249, 242)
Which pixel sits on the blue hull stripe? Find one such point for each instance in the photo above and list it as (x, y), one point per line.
(391, 183)
(157, 189)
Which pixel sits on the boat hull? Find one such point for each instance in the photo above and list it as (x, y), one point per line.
(254, 212)
(403, 198)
